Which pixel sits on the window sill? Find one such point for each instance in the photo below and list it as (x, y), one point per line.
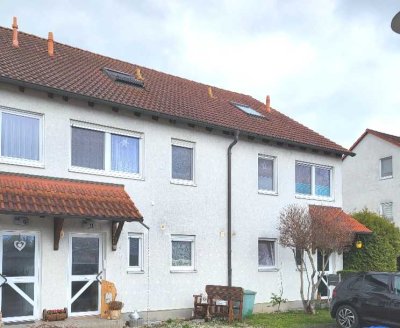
(313, 197)
(183, 271)
(106, 173)
(135, 271)
(183, 182)
(267, 192)
(21, 162)
(268, 269)
(386, 178)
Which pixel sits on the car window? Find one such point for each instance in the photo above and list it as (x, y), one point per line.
(396, 285)
(355, 282)
(376, 283)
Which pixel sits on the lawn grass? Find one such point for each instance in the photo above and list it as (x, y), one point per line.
(292, 319)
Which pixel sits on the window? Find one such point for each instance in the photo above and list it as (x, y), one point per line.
(299, 255)
(386, 167)
(182, 162)
(20, 136)
(267, 253)
(322, 262)
(135, 244)
(182, 257)
(123, 77)
(387, 210)
(396, 284)
(378, 283)
(248, 110)
(313, 180)
(267, 178)
(106, 150)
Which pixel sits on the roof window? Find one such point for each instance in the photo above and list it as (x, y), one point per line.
(123, 77)
(247, 109)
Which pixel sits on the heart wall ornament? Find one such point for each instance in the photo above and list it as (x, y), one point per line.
(19, 245)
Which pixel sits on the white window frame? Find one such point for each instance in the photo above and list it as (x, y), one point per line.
(382, 212)
(274, 160)
(380, 168)
(188, 268)
(185, 144)
(274, 267)
(138, 268)
(22, 161)
(313, 194)
(108, 131)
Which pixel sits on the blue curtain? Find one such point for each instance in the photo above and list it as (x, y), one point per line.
(124, 154)
(303, 179)
(322, 182)
(20, 136)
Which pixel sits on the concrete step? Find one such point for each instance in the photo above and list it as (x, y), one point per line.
(82, 322)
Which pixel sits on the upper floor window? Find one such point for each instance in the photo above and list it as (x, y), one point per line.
(21, 136)
(386, 167)
(386, 210)
(182, 161)
(267, 179)
(313, 180)
(109, 150)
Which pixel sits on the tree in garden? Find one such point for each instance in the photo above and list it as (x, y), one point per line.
(381, 248)
(305, 230)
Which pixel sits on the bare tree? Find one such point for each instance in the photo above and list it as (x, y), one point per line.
(305, 230)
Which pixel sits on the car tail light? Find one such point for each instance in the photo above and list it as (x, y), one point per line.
(334, 292)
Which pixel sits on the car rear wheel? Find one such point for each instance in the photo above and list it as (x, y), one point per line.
(347, 317)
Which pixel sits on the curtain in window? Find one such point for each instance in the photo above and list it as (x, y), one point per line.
(322, 182)
(87, 148)
(20, 136)
(133, 252)
(182, 163)
(303, 179)
(181, 253)
(124, 154)
(266, 253)
(265, 174)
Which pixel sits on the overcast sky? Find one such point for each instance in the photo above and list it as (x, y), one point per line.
(333, 65)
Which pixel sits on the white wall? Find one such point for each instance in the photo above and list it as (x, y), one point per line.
(362, 185)
(195, 210)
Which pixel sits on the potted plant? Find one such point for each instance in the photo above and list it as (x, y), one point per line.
(115, 308)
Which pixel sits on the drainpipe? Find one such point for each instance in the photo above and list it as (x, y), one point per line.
(233, 143)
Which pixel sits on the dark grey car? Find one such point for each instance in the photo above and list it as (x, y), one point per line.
(367, 297)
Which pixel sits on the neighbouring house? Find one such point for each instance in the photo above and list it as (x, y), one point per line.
(94, 151)
(371, 179)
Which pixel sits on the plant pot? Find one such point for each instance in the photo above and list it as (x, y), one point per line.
(115, 314)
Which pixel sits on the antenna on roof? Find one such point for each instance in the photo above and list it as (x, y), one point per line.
(15, 33)
(268, 104)
(50, 44)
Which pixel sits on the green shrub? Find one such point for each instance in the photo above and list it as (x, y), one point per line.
(381, 248)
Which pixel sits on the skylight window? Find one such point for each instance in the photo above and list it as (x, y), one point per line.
(248, 110)
(123, 77)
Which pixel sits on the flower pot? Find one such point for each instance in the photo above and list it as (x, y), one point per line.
(115, 314)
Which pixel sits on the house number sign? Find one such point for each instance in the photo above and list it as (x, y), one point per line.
(19, 245)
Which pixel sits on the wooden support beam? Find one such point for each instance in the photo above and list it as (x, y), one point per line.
(116, 229)
(58, 225)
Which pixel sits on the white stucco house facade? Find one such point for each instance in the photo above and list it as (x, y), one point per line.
(79, 124)
(374, 171)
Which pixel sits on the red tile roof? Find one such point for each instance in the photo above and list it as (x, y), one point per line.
(34, 195)
(78, 73)
(384, 136)
(336, 213)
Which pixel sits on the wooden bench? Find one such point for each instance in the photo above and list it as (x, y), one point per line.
(223, 302)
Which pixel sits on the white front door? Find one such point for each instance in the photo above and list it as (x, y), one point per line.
(19, 277)
(85, 271)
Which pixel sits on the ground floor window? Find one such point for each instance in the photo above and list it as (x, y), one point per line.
(183, 251)
(266, 253)
(135, 244)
